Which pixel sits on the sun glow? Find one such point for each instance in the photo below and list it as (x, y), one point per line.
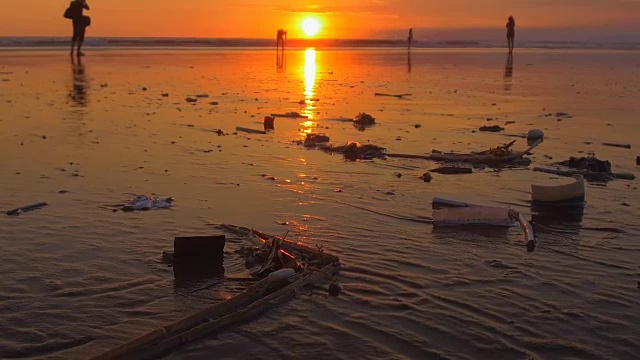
(311, 26)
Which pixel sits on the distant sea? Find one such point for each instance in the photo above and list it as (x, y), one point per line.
(43, 42)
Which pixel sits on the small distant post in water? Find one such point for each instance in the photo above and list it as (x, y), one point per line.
(511, 33)
(281, 39)
(410, 39)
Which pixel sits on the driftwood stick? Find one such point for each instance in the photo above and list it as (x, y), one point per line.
(250, 131)
(410, 156)
(585, 173)
(626, 146)
(399, 96)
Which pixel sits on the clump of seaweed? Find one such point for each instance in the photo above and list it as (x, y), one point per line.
(313, 140)
(363, 121)
(353, 151)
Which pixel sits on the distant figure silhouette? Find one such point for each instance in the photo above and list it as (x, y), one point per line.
(281, 38)
(511, 32)
(80, 23)
(410, 39)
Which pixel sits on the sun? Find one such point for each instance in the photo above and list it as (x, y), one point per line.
(311, 26)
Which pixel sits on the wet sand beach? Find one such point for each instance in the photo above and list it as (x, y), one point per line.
(79, 278)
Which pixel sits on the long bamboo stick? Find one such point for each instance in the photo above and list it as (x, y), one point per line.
(473, 158)
(587, 174)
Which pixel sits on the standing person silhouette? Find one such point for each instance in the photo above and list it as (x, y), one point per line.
(80, 23)
(410, 39)
(511, 32)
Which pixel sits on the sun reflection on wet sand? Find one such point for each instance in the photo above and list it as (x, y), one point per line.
(310, 71)
(310, 101)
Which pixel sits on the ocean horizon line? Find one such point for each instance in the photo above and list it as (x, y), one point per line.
(221, 42)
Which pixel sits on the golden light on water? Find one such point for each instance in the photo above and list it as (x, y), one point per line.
(310, 73)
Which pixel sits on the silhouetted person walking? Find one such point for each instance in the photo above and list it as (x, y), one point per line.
(410, 39)
(80, 23)
(511, 32)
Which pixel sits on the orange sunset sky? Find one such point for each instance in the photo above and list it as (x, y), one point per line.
(339, 19)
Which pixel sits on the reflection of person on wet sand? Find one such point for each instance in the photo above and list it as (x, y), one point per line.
(508, 72)
(409, 61)
(281, 38)
(508, 68)
(78, 93)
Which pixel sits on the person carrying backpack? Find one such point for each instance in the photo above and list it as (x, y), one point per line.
(80, 23)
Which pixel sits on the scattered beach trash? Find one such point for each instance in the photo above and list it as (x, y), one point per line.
(144, 203)
(199, 248)
(493, 128)
(588, 175)
(191, 100)
(590, 167)
(202, 95)
(626, 146)
(364, 119)
(399, 96)
(571, 193)
(477, 215)
(269, 122)
(426, 177)
(313, 140)
(334, 289)
(250, 131)
(451, 170)
(417, 126)
(590, 163)
(196, 258)
(311, 266)
(355, 151)
(638, 160)
(499, 156)
(490, 216)
(535, 134)
(164, 94)
(292, 114)
(561, 115)
(280, 277)
(214, 103)
(27, 208)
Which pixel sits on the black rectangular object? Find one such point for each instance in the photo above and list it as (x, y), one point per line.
(199, 249)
